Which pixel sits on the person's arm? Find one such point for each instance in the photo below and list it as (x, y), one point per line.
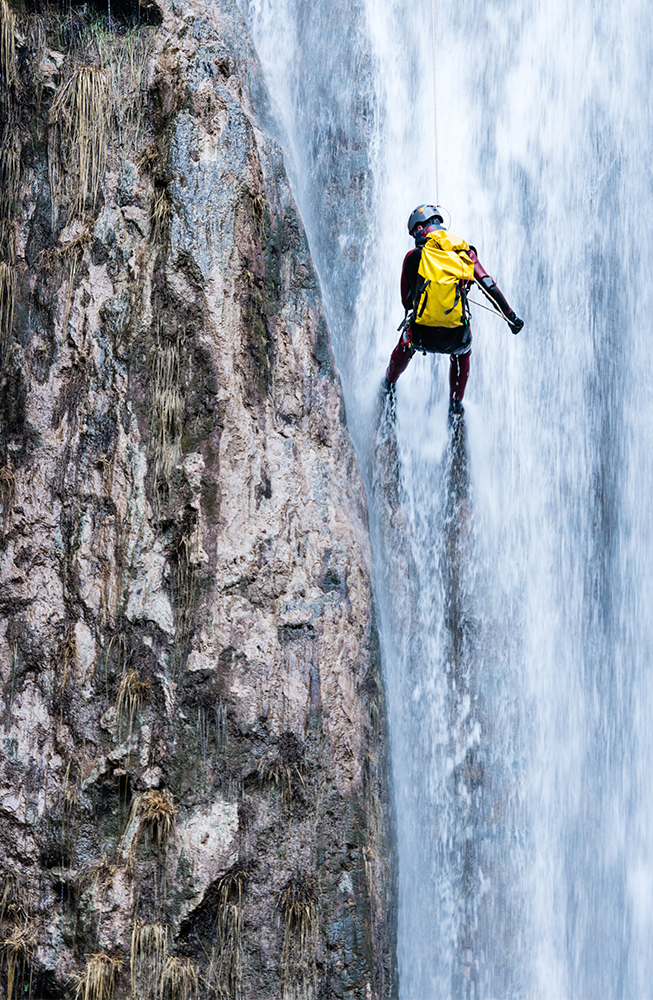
(491, 289)
(409, 277)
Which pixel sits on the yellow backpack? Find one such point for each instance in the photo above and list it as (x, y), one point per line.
(440, 297)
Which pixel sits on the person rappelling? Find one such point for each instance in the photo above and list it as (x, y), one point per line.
(435, 280)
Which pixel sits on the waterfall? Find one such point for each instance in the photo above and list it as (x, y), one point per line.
(513, 561)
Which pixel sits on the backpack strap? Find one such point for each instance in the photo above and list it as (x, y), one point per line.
(422, 291)
(455, 301)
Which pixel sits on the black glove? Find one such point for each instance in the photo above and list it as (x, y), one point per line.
(514, 322)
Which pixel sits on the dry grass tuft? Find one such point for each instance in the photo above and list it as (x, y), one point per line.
(13, 900)
(153, 820)
(7, 492)
(7, 240)
(161, 213)
(156, 817)
(186, 552)
(9, 170)
(298, 904)
(287, 777)
(124, 60)
(78, 140)
(149, 951)
(149, 158)
(232, 884)
(167, 407)
(99, 875)
(100, 100)
(70, 792)
(17, 952)
(117, 646)
(226, 960)
(72, 251)
(18, 937)
(285, 768)
(179, 980)
(7, 299)
(98, 980)
(298, 901)
(36, 45)
(132, 692)
(7, 50)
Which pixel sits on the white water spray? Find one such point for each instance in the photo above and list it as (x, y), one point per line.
(518, 652)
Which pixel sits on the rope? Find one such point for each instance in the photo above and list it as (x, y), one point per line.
(435, 106)
(490, 299)
(481, 306)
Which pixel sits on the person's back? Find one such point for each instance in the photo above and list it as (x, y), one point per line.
(435, 278)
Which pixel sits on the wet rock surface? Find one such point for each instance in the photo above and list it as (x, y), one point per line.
(193, 772)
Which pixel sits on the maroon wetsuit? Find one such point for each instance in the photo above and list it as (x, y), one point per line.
(435, 340)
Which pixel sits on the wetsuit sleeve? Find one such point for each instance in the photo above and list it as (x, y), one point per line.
(491, 287)
(409, 277)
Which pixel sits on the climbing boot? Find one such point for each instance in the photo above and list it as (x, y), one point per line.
(456, 410)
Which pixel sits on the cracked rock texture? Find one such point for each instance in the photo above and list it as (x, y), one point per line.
(193, 772)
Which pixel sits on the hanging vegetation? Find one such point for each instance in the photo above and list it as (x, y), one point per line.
(9, 170)
(17, 951)
(167, 406)
(7, 52)
(149, 951)
(178, 980)
(156, 818)
(7, 299)
(18, 942)
(98, 980)
(77, 142)
(298, 904)
(132, 692)
(226, 958)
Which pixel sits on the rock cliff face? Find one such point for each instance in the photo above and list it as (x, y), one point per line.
(193, 784)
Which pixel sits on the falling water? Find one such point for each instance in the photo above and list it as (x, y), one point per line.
(514, 570)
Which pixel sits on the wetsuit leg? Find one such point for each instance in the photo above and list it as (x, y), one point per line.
(398, 362)
(458, 374)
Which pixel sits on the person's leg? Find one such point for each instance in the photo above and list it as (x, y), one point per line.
(398, 363)
(458, 375)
